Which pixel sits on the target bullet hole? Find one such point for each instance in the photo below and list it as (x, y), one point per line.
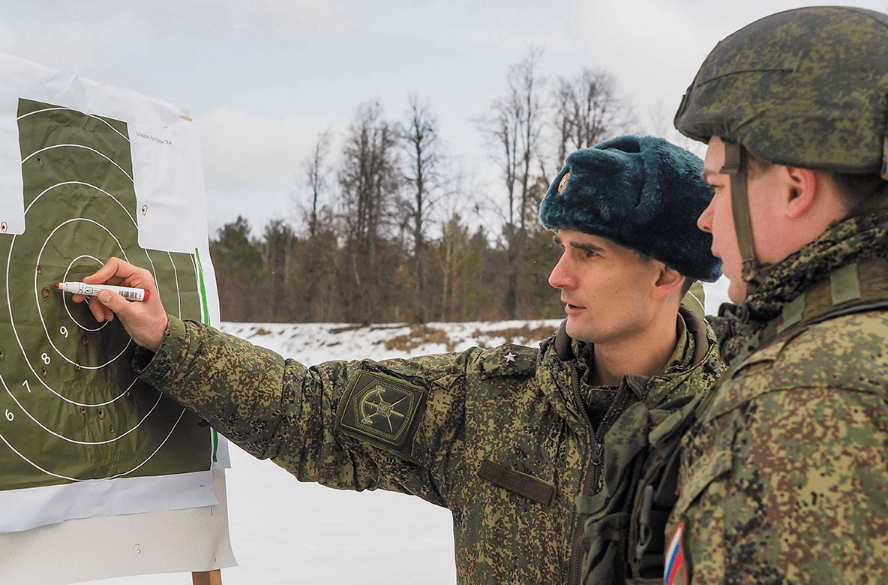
(101, 414)
(45, 293)
(84, 341)
(111, 429)
(43, 371)
(2, 354)
(76, 366)
(83, 410)
(40, 161)
(144, 210)
(39, 271)
(3, 227)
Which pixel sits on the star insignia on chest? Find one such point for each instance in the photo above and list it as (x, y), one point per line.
(510, 357)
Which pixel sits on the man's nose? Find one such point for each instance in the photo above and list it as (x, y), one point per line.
(704, 222)
(561, 276)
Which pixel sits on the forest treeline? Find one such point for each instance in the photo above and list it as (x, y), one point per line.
(389, 228)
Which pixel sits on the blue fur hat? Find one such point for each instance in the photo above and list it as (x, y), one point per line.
(642, 193)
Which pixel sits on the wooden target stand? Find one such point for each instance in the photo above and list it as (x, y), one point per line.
(207, 578)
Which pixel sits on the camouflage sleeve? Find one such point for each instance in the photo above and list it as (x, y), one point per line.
(790, 487)
(280, 409)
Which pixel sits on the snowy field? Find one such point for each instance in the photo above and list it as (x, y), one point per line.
(284, 532)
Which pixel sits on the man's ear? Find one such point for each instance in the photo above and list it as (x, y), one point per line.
(800, 191)
(668, 281)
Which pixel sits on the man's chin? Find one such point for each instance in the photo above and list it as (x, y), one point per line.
(574, 329)
(737, 291)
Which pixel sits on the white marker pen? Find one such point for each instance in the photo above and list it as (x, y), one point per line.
(91, 290)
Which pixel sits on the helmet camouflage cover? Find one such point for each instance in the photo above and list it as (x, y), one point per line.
(805, 88)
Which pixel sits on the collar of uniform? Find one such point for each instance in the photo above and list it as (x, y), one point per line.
(683, 355)
(847, 242)
(777, 300)
(855, 287)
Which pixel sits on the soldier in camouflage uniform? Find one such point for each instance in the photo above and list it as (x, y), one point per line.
(784, 477)
(507, 438)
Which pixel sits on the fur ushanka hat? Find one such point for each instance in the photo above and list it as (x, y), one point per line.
(642, 193)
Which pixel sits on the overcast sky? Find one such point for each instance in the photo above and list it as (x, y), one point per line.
(263, 77)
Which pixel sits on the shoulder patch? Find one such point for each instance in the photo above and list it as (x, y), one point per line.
(509, 360)
(381, 410)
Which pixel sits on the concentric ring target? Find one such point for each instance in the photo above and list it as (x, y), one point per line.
(68, 277)
(86, 326)
(71, 408)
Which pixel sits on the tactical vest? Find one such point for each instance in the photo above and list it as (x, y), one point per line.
(624, 542)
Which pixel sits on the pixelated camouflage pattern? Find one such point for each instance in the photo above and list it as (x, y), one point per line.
(785, 477)
(624, 531)
(502, 443)
(805, 88)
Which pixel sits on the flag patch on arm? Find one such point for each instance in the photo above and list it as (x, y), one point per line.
(675, 572)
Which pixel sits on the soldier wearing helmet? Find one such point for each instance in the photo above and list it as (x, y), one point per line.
(784, 475)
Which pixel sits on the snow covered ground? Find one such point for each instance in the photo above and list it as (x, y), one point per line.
(287, 532)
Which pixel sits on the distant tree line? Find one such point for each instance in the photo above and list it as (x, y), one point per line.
(390, 232)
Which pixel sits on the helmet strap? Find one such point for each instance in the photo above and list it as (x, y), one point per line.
(735, 166)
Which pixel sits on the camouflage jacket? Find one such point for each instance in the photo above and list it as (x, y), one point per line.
(784, 478)
(496, 436)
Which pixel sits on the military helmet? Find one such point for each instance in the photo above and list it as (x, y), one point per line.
(805, 88)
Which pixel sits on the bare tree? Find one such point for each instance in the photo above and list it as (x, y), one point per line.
(420, 143)
(369, 182)
(588, 110)
(316, 173)
(514, 130)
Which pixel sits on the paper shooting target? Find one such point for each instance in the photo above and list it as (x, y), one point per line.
(71, 408)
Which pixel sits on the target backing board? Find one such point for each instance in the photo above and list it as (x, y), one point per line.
(88, 172)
